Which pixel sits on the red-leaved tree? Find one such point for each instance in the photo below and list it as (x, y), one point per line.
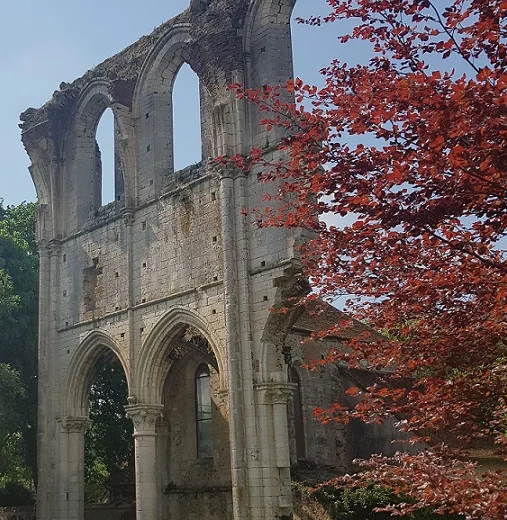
(424, 260)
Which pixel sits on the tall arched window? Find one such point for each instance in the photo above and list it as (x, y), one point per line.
(106, 157)
(203, 416)
(187, 139)
(297, 413)
(309, 55)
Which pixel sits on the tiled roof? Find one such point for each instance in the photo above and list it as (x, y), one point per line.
(323, 316)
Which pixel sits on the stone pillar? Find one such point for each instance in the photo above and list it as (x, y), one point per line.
(162, 443)
(144, 417)
(71, 496)
(236, 379)
(280, 393)
(275, 395)
(46, 493)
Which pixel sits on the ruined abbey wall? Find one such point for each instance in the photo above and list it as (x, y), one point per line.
(172, 276)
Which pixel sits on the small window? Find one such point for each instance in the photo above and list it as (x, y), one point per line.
(203, 416)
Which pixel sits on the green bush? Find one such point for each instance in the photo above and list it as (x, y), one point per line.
(359, 503)
(14, 494)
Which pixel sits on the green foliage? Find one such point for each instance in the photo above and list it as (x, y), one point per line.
(109, 452)
(18, 342)
(8, 300)
(359, 503)
(11, 389)
(13, 494)
(11, 392)
(19, 268)
(96, 475)
(13, 468)
(18, 223)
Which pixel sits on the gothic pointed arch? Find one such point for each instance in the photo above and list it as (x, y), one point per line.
(267, 25)
(153, 107)
(82, 180)
(268, 45)
(95, 346)
(274, 350)
(163, 345)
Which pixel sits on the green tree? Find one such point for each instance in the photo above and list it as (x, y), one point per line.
(18, 341)
(109, 453)
(11, 390)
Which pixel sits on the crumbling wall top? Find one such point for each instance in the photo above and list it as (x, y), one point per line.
(123, 67)
(214, 26)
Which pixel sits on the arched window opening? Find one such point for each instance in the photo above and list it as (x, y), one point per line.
(105, 159)
(297, 413)
(187, 139)
(309, 53)
(203, 416)
(109, 446)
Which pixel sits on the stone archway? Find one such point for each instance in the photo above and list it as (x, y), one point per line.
(152, 368)
(163, 388)
(193, 441)
(95, 348)
(83, 174)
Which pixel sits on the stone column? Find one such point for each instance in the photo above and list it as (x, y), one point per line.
(276, 395)
(162, 443)
(144, 417)
(72, 468)
(46, 492)
(49, 448)
(280, 393)
(236, 380)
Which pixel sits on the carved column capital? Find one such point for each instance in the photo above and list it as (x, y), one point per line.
(75, 424)
(128, 217)
(54, 247)
(43, 247)
(275, 392)
(228, 171)
(144, 417)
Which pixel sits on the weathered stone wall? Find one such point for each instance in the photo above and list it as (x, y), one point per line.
(170, 236)
(334, 446)
(195, 488)
(325, 444)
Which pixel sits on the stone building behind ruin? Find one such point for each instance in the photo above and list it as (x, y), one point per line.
(174, 281)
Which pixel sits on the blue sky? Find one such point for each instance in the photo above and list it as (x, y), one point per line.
(47, 42)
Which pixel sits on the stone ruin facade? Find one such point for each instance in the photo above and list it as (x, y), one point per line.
(175, 282)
